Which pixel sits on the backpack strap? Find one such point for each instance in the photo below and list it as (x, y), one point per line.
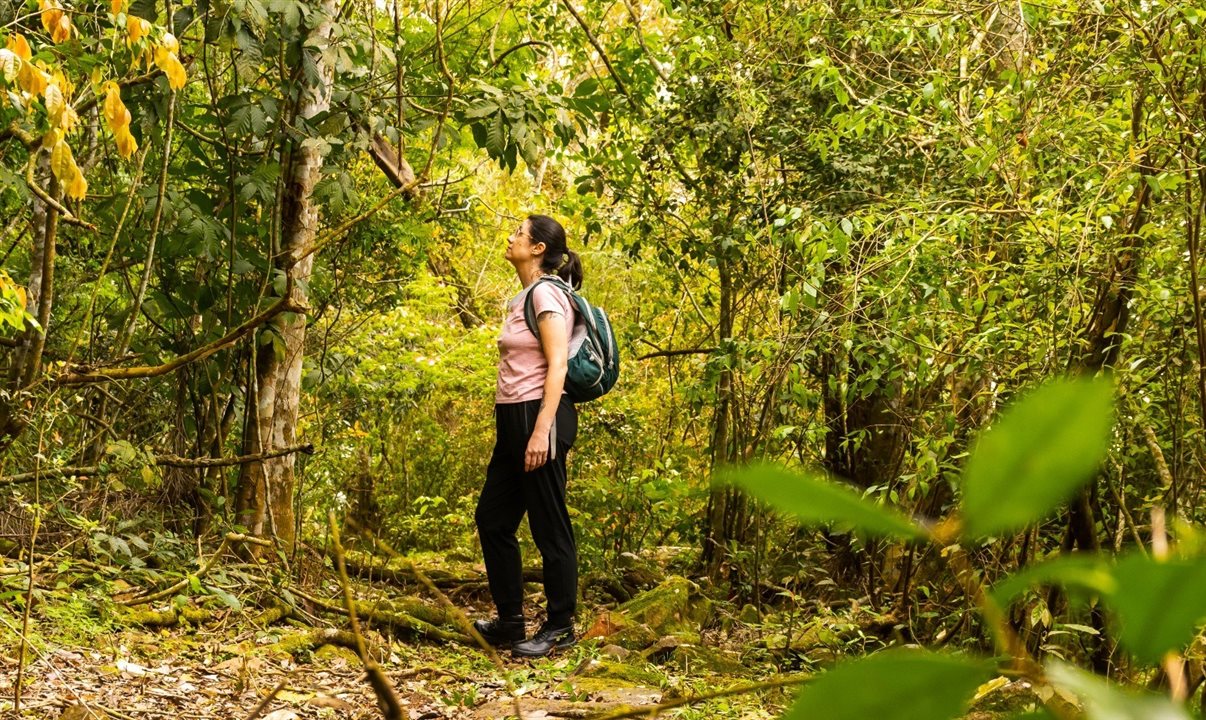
(529, 301)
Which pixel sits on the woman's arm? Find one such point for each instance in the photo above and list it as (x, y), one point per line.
(554, 342)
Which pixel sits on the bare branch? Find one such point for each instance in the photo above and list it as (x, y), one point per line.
(85, 375)
(165, 460)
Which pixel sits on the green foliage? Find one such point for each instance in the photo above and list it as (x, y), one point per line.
(814, 499)
(1160, 604)
(1088, 573)
(1037, 455)
(896, 684)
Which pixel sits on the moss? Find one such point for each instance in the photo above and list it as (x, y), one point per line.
(602, 674)
(186, 615)
(694, 659)
(332, 652)
(675, 605)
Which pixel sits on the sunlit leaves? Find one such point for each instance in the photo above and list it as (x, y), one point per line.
(136, 29)
(1037, 455)
(56, 21)
(118, 117)
(166, 60)
(19, 46)
(10, 65)
(62, 164)
(12, 303)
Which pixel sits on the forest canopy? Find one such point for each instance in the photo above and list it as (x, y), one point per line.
(907, 296)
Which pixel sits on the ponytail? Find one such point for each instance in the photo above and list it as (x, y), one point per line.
(558, 258)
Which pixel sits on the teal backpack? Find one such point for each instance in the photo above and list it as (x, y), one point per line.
(594, 368)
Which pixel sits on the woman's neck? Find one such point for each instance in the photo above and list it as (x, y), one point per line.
(529, 273)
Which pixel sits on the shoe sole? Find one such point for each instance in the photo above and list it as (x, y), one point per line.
(555, 649)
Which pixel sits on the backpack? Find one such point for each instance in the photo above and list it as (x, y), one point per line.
(593, 369)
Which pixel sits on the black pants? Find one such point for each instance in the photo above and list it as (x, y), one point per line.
(510, 492)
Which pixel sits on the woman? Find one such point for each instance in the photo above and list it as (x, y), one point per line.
(535, 427)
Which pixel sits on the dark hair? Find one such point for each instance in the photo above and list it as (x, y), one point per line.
(558, 258)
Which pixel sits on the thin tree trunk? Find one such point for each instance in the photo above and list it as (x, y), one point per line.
(267, 487)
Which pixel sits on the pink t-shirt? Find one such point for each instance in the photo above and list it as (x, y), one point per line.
(521, 364)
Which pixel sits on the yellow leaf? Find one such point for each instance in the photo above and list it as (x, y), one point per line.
(51, 12)
(169, 43)
(62, 162)
(55, 104)
(20, 46)
(126, 144)
(62, 29)
(69, 120)
(77, 189)
(32, 80)
(112, 106)
(10, 64)
(170, 65)
(136, 28)
(20, 295)
(117, 5)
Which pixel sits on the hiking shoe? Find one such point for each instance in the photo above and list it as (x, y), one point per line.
(545, 641)
(502, 632)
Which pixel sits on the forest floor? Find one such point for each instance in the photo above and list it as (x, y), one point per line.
(202, 676)
(88, 657)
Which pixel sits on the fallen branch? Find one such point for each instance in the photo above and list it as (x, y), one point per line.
(165, 460)
(409, 575)
(394, 622)
(169, 618)
(462, 620)
(655, 710)
(188, 579)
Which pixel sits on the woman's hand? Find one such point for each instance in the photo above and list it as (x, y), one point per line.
(538, 451)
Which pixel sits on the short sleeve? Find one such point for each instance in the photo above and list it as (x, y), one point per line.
(546, 298)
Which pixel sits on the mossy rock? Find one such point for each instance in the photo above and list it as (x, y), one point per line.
(617, 629)
(676, 605)
(327, 653)
(601, 674)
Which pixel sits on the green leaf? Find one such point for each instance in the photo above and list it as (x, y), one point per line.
(1103, 701)
(1087, 572)
(1037, 455)
(1160, 604)
(496, 138)
(893, 685)
(481, 109)
(815, 500)
(227, 599)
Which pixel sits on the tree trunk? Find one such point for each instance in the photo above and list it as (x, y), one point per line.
(727, 519)
(265, 497)
(26, 361)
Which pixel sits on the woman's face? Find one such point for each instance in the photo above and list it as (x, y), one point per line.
(520, 247)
